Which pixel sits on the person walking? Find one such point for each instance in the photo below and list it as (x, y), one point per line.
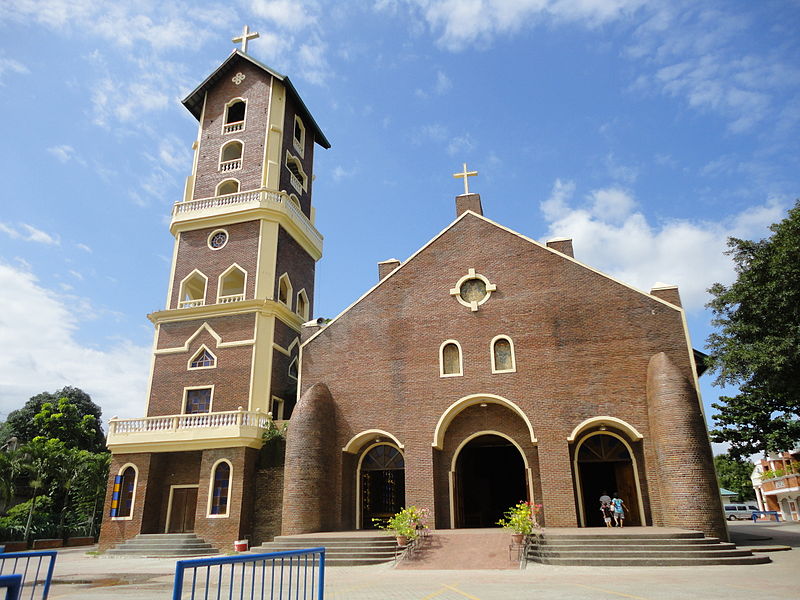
(619, 509)
(605, 508)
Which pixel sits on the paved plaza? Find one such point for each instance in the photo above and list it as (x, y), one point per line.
(89, 577)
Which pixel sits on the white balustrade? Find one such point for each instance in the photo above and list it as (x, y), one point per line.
(233, 127)
(264, 198)
(210, 420)
(230, 298)
(191, 303)
(231, 165)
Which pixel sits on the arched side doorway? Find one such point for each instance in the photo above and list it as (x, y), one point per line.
(381, 478)
(489, 475)
(604, 460)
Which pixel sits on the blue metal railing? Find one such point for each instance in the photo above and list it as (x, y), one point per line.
(13, 585)
(36, 569)
(290, 575)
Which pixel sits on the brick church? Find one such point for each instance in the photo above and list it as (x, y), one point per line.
(484, 369)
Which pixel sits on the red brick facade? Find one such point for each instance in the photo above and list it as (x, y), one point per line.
(583, 344)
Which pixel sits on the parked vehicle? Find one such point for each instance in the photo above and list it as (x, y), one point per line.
(739, 511)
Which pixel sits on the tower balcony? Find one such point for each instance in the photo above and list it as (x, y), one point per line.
(197, 431)
(259, 203)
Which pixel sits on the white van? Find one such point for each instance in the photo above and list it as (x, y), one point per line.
(739, 511)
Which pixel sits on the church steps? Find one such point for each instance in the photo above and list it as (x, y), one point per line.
(168, 544)
(347, 550)
(642, 548)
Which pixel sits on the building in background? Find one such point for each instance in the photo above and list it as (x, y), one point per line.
(776, 481)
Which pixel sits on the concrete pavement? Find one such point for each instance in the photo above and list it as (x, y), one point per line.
(87, 577)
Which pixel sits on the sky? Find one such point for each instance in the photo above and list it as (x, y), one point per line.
(649, 132)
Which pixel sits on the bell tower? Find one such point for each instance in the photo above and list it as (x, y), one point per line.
(241, 284)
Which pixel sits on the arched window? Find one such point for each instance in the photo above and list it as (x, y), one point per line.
(285, 290)
(230, 157)
(123, 492)
(203, 359)
(229, 186)
(220, 489)
(234, 116)
(231, 285)
(450, 359)
(502, 349)
(298, 177)
(193, 290)
(299, 135)
(302, 305)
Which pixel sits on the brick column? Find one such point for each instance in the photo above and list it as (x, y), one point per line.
(688, 487)
(555, 468)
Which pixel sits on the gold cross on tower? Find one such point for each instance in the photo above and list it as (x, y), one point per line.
(246, 35)
(465, 174)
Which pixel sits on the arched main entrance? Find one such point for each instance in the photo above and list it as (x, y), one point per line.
(604, 463)
(488, 478)
(382, 484)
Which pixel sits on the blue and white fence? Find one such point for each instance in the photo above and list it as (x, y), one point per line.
(12, 584)
(291, 575)
(36, 570)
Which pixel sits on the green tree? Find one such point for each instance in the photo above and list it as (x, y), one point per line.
(64, 422)
(734, 475)
(21, 423)
(757, 345)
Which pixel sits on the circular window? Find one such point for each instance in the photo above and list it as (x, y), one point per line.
(217, 239)
(473, 290)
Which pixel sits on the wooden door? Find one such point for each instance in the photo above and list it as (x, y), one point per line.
(181, 515)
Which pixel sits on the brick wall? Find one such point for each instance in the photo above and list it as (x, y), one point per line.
(267, 511)
(194, 253)
(298, 264)
(115, 531)
(307, 160)
(231, 377)
(582, 342)
(256, 90)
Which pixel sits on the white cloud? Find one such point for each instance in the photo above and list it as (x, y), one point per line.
(610, 235)
(339, 173)
(460, 23)
(293, 15)
(65, 153)
(29, 233)
(460, 145)
(41, 329)
(9, 65)
(84, 247)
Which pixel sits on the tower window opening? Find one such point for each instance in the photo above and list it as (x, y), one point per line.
(298, 177)
(231, 285)
(299, 136)
(231, 156)
(235, 112)
(301, 307)
(285, 290)
(193, 291)
(229, 186)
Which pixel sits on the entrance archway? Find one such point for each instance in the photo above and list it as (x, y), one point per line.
(381, 484)
(603, 461)
(488, 478)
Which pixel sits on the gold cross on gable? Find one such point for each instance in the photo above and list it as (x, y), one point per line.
(465, 174)
(246, 35)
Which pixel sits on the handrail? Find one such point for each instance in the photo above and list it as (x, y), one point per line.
(263, 197)
(239, 418)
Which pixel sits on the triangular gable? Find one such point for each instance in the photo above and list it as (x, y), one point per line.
(218, 343)
(511, 231)
(194, 101)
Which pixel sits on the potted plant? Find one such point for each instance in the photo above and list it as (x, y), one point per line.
(521, 519)
(405, 525)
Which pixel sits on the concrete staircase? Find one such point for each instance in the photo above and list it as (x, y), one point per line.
(163, 544)
(643, 546)
(343, 549)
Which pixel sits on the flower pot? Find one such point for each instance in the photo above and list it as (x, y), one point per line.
(517, 538)
(402, 540)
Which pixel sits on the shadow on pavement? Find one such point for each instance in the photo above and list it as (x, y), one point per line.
(765, 534)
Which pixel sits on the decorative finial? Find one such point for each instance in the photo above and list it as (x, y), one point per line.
(246, 35)
(465, 174)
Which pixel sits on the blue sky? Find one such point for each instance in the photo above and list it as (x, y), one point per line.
(647, 133)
